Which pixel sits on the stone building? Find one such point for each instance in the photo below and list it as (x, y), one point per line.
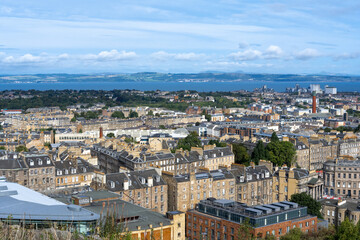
(342, 178)
(253, 184)
(210, 157)
(186, 190)
(287, 182)
(15, 170)
(335, 211)
(349, 147)
(145, 188)
(73, 173)
(41, 171)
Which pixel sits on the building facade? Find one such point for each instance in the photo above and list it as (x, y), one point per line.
(220, 219)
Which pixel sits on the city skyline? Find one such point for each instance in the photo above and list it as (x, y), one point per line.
(229, 36)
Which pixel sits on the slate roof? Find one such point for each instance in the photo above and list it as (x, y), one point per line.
(136, 179)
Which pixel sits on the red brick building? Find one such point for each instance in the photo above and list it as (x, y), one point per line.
(220, 219)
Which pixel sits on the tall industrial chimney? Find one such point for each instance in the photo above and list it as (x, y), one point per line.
(313, 102)
(101, 135)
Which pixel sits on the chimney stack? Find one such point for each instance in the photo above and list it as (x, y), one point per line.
(314, 102)
(101, 135)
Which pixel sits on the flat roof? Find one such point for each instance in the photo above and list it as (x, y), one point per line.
(22, 203)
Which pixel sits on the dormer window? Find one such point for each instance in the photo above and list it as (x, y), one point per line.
(39, 162)
(59, 172)
(112, 184)
(66, 171)
(31, 162)
(73, 170)
(48, 161)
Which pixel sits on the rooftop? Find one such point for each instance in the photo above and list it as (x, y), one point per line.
(23, 203)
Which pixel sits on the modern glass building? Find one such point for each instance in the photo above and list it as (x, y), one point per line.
(21, 205)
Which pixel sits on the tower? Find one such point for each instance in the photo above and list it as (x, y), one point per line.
(313, 102)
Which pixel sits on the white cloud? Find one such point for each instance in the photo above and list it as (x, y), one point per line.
(6, 10)
(164, 56)
(272, 52)
(243, 45)
(27, 58)
(247, 55)
(307, 53)
(345, 56)
(112, 55)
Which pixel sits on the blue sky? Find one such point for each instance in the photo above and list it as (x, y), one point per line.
(88, 36)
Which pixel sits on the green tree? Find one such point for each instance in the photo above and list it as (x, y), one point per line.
(327, 129)
(73, 119)
(258, 152)
(347, 231)
(110, 135)
(191, 140)
(293, 234)
(357, 129)
(2, 148)
(207, 116)
(21, 148)
(162, 127)
(246, 231)
(274, 137)
(270, 237)
(280, 153)
(133, 114)
(241, 155)
(217, 143)
(129, 139)
(150, 113)
(118, 114)
(304, 199)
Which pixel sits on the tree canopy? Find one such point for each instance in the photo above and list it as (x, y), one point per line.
(110, 135)
(217, 143)
(191, 140)
(304, 199)
(241, 155)
(21, 148)
(258, 152)
(118, 114)
(133, 114)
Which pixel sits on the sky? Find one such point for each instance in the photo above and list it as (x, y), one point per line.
(188, 36)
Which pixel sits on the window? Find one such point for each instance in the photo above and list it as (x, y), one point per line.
(147, 200)
(162, 188)
(139, 195)
(280, 231)
(156, 199)
(161, 198)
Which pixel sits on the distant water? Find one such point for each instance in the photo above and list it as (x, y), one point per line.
(174, 86)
